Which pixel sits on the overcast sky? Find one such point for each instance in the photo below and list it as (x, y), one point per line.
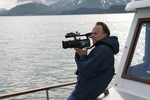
(8, 4)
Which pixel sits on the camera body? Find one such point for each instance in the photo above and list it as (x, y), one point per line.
(76, 43)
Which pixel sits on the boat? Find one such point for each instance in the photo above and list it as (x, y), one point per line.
(132, 80)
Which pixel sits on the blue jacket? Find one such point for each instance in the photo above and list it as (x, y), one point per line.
(96, 70)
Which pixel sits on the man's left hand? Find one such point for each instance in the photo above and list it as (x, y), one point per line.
(81, 52)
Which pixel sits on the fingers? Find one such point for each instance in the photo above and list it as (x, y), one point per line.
(77, 49)
(81, 51)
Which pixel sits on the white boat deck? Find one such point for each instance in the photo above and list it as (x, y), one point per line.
(113, 95)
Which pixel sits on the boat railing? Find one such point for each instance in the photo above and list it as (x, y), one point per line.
(36, 90)
(106, 91)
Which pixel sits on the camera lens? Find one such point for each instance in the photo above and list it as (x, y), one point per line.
(69, 44)
(65, 44)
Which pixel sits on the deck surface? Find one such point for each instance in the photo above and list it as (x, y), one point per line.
(113, 95)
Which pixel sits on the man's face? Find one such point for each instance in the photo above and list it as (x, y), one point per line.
(97, 33)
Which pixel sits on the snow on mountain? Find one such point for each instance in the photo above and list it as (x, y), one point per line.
(74, 4)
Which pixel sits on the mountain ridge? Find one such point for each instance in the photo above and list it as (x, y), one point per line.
(75, 4)
(28, 9)
(75, 7)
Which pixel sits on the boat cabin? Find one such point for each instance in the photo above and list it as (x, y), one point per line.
(132, 81)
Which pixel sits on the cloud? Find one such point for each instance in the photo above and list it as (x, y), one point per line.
(38, 1)
(7, 4)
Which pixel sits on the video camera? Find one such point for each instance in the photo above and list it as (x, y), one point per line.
(76, 43)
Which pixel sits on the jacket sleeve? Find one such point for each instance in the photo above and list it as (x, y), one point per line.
(96, 62)
(77, 57)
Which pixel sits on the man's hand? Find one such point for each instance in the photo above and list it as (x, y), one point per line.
(81, 52)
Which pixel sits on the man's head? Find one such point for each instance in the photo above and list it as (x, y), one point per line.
(99, 31)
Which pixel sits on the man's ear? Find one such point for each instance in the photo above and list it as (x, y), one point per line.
(105, 35)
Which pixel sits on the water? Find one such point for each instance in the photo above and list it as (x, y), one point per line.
(31, 53)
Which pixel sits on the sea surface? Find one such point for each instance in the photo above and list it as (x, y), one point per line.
(31, 53)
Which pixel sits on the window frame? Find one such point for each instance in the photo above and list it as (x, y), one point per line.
(131, 53)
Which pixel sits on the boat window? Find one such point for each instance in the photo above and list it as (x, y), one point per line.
(137, 65)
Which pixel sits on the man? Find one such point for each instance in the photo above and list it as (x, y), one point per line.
(96, 69)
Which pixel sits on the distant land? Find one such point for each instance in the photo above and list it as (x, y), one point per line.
(30, 9)
(112, 9)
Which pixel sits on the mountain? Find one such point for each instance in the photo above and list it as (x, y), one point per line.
(75, 4)
(117, 9)
(68, 7)
(29, 9)
(65, 4)
(2, 10)
(85, 11)
(112, 9)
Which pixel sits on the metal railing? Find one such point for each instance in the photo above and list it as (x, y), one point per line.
(106, 92)
(36, 90)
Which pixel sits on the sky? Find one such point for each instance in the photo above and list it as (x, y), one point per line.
(8, 4)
